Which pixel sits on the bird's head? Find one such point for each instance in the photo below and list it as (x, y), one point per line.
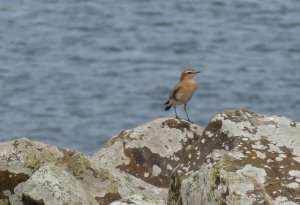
(189, 73)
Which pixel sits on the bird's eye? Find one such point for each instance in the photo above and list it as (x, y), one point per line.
(189, 72)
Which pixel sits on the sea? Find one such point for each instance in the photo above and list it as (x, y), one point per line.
(75, 73)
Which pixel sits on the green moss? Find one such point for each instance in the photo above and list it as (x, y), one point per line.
(35, 158)
(75, 162)
(30, 158)
(47, 156)
(4, 201)
(220, 170)
(113, 186)
(234, 178)
(6, 192)
(84, 164)
(215, 175)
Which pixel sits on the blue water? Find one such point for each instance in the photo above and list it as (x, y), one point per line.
(75, 73)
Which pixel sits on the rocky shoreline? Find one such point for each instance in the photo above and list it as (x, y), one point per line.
(241, 157)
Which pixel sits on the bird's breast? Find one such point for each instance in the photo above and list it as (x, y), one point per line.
(187, 90)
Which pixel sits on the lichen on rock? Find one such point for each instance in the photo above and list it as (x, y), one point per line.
(151, 151)
(252, 145)
(241, 157)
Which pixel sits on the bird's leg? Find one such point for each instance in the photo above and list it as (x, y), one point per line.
(176, 112)
(186, 113)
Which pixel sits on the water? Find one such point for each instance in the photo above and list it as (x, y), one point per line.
(76, 73)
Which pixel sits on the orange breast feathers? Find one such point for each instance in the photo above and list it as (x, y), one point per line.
(185, 91)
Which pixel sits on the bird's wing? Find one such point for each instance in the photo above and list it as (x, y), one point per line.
(174, 93)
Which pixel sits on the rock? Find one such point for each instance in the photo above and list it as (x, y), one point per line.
(241, 158)
(133, 166)
(149, 152)
(21, 158)
(147, 155)
(53, 185)
(138, 199)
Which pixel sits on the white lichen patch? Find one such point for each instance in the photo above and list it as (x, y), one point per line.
(108, 157)
(158, 135)
(283, 201)
(156, 170)
(293, 185)
(169, 167)
(282, 155)
(236, 155)
(138, 199)
(209, 134)
(185, 169)
(294, 173)
(297, 159)
(276, 130)
(278, 159)
(270, 146)
(146, 174)
(251, 171)
(175, 158)
(236, 129)
(260, 155)
(258, 146)
(241, 188)
(57, 186)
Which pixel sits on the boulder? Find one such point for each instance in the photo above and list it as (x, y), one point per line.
(53, 185)
(21, 158)
(138, 199)
(149, 152)
(134, 166)
(241, 158)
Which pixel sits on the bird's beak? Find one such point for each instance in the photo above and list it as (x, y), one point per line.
(196, 72)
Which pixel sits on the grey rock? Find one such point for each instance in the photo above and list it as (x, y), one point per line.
(146, 156)
(53, 185)
(236, 147)
(138, 171)
(138, 199)
(149, 152)
(21, 158)
(240, 158)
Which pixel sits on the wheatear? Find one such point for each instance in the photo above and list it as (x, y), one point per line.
(183, 91)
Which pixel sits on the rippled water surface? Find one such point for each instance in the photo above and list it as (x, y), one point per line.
(75, 73)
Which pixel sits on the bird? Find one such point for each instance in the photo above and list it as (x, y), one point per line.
(183, 91)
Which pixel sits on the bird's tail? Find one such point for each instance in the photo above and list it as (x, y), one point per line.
(168, 106)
